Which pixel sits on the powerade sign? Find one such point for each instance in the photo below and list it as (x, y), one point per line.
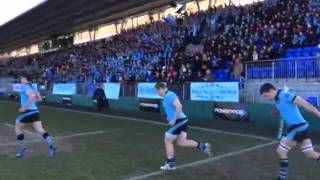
(232, 111)
(147, 90)
(17, 87)
(218, 92)
(64, 89)
(150, 105)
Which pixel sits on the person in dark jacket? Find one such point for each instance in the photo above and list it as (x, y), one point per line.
(100, 98)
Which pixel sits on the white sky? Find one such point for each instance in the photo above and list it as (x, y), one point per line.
(9, 9)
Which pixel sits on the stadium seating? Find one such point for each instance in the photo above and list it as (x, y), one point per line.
(128, 56)
(307, 52)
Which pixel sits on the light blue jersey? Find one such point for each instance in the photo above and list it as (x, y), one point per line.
(25, 89)
(289, 111)
(170, 110)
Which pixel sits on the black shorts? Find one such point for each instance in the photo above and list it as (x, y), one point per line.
(298, 132)
(29, 116)
(180, 126)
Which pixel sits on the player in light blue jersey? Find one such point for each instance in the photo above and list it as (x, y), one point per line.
(177, 130)
(29, 113)
(288, 105)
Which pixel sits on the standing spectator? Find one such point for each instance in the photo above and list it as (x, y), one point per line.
(100, 97)
(237, 69)
(255, 56)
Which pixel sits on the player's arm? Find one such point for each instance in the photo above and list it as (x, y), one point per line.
(38, 97)
(178, 106)
(306, 105)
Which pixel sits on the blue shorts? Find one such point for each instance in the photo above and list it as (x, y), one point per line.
(180, 126)
(298, 132)
(29, 116)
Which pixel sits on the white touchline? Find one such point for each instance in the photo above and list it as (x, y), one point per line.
(196, 163)
(57, 137)
(25, 130)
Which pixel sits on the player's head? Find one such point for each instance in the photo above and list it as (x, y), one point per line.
(161, 88)
(268, 91)
(100, 85)
(25, 78)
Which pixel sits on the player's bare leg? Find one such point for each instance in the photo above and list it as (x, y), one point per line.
(39, 129)
(307, 149)
(283, 149)
(183, 141)
(20, 137)
(170, 163)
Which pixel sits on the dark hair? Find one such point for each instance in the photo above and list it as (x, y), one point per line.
(266, 88)
(160, 85)
(28, 76)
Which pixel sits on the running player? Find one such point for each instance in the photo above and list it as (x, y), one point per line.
(297, 132)
(177, 130)
(29, 113)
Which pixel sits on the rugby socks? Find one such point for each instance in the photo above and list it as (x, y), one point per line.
(48, 138)
(283, 172)
(201, 146)
(171, 161)
(20, 138)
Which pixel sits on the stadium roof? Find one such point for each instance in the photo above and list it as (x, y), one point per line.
(60, 17)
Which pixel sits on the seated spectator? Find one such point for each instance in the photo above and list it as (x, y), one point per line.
(210, 39)
(150, 77)
(209, 77)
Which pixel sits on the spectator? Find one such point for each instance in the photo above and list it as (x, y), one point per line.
(100, 98)
(237, 69)
(210, 39)
(150, 77)
(209, 76)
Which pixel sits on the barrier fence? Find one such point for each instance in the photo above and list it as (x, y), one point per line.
(299, 68)
(219, 91)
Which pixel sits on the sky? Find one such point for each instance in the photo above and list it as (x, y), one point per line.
(9, 9)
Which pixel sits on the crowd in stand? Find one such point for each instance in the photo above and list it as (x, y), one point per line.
(185, 48)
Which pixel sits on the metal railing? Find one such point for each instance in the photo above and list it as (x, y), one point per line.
(298, 68)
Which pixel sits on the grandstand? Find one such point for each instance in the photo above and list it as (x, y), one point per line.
(214, 54)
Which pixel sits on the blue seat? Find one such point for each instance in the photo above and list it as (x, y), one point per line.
(301, 65)
(256, 73)
(276, 45)
(216, 74)
(280, 69)
(314, 52)
(290, 69)
(289, 53)
(221, 75)
(312, 100)
(308, 48)
(227, 64)
(311, 68)
(306, 52)
(233, 80)
(249, 72)
(297, 52)
(285, 69)
(225, 73)
(266, 73)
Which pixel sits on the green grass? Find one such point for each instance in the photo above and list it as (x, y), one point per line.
(135, 148)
